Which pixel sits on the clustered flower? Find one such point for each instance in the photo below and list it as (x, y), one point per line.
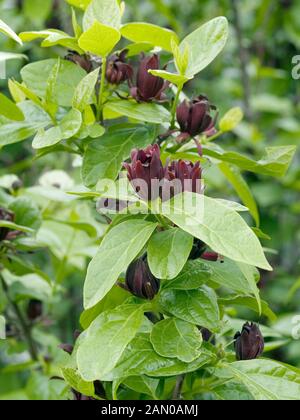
(151, 179)
(118, 71)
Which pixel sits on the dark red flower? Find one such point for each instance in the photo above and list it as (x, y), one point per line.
(249, 343)
(5, 216)
(81, 60)
(145, 168)
(140, 281)
(148, 87)
(183, 176)
(195, 118)
(151, 179)
(118, 71)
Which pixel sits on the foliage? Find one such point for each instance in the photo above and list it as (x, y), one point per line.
(219, 258)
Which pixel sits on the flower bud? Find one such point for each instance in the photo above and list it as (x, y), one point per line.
(207, 335)
(118, 71)
(194, 118)
(5, 216)
(197, 250)
(34, 309)
(148, 87)
(140, 281)
(249, 343)
(81, 60)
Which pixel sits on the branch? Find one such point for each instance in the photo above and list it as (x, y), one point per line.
(178, 388)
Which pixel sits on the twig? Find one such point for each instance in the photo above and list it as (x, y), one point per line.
(178, 388)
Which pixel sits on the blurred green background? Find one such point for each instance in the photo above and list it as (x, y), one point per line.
(254, 72)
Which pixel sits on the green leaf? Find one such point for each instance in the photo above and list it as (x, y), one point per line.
(232, 391)
(241, 187)
(99, 39)
(103, 159)
(5, 56)
(35, 76)
(205, 44)
(220, 227)
(115, 297)
(14, 226)
(230, 274)
(176, 79)
(146, 32)
(107, 12)
(70, 124)
(199, 307)
(26, 213)
(81, 4)
(67, 128)
(140, 358)
(275, 162)
(30, 286)
(250, 303)
(265, 379)
(231, 119)
(14, 132)
(168, 252)
(74, 380)
(176, 338)
(84, 91)
(142, 384)
(9, 109)
(151, 113)
(106, 339)
(2, 328)
(194, 274)
(29, 94)
(52, 37)
(47, 138)
(6, 30)
(117, 250)
(181, 57)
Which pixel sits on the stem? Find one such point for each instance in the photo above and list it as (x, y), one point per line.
(243, 54)
(174, 107)
(178, 387)
(162, 221)
(101, 91)
(25, 328)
